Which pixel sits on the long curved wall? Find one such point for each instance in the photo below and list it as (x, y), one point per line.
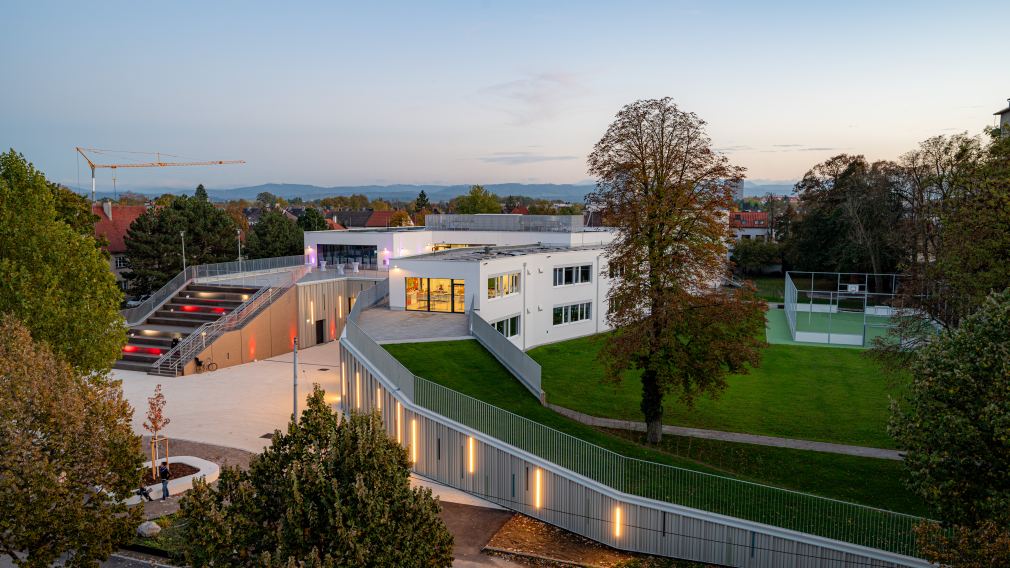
(464, 458)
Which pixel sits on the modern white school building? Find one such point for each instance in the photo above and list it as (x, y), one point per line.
(536, 278)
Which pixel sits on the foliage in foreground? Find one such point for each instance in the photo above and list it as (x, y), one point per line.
(53, 276)
(326, 493)
(955, 423)
(67, 449)
(955, 419)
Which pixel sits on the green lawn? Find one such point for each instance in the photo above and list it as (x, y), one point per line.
(815, 393)
(771, 288)
(465, 366)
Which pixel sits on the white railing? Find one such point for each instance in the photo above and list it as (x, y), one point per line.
(521, 365)
(138, 314)
(176, 358)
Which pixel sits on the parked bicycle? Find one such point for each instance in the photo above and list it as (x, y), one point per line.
(208, 365)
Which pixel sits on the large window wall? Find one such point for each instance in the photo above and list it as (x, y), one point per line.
(435, 295)
(365, 255)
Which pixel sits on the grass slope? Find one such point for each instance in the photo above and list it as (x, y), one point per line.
(814, 393)
(465, 366)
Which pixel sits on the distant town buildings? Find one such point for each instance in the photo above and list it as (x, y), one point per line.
(749, 225)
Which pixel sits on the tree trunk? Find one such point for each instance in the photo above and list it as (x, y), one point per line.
(652, 406)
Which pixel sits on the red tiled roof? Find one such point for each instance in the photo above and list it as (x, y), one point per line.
(334, 226)
(520, 210)
(748, 219)
(379, 219)
(114, 229)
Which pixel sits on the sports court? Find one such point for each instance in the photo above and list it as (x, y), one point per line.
(837, 308)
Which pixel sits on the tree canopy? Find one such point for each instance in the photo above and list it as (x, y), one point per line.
(421, 203)
(851, 217)
(666, 190)
(478, 200)
(52, 274)
(328, 492)
(68, 456)
(954, 419)
(752, 255)
(274, 235)
(312, 220)
(154, 244)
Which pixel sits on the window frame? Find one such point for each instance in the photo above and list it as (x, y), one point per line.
(572, 313)
(506, 284)
(573, 274)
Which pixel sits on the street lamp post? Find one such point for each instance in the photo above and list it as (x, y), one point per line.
(183, 235)
(294, 414)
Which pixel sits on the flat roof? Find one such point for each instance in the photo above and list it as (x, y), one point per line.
(476, 254)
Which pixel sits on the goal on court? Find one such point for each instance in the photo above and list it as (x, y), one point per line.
(840, 308)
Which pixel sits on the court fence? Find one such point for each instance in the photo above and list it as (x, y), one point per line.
(839, 308)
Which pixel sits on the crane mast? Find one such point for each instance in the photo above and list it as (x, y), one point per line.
(155, 164)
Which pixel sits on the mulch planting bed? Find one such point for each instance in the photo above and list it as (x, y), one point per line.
(176, 470)
(529, 541)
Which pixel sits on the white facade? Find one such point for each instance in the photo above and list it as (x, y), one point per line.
(392, 244)
(535, 295)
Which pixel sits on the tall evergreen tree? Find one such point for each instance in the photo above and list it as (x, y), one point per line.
(154, 243)
(421, 203)
(312, 220)
(274, 235)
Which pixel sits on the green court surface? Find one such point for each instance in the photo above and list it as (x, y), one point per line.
(777, 327)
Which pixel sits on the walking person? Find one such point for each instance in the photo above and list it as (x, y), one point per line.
(164, 473)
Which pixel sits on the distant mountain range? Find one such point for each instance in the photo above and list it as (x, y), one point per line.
(407, 192)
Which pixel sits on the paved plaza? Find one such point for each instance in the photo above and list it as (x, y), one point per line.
(398, 326)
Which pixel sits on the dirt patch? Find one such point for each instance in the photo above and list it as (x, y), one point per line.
(527, 540)
(220, 455)
(175, 471)
(472, 527)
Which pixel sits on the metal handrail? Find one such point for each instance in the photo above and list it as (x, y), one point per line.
(794, 510)
(139, 313)
(186, 350)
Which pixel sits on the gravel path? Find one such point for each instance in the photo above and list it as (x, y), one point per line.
(860, 451)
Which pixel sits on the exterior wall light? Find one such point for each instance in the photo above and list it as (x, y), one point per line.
(413, 440)
(357, 390)
(470, 454)
(537, 489)
(617, 522)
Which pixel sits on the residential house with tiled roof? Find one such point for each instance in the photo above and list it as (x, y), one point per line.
(112, 224)
(750, 225)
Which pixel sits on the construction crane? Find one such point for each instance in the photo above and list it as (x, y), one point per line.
(155, 164)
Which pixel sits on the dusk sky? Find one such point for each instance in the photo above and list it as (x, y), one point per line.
(482, 92)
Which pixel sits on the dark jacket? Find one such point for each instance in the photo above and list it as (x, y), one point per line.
(163, 472)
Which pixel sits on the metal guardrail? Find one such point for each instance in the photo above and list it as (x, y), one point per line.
(784, 508)
(774, 506)
(521, 365)
(138, 314)
(175, 359)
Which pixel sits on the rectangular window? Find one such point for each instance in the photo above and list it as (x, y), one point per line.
(435, 295)
(568, 275)
(502, 285)
(122, 261)
(572, 313)
(509, 327)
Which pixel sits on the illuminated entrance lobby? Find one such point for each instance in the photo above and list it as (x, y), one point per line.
(435, 295)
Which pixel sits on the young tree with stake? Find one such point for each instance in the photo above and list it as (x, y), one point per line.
(156, 422)
(665, 189)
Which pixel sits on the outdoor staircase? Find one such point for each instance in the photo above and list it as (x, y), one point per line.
(186, 311)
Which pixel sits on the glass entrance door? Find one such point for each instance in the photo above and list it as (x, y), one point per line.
(434, 295)
(458, 296)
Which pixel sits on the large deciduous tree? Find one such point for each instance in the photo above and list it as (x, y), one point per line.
(154, 245)
(477, 200)
(668, 193)
(52, 274)
(850, 217)
(275, 235)
(328, 492)
(68, 456)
